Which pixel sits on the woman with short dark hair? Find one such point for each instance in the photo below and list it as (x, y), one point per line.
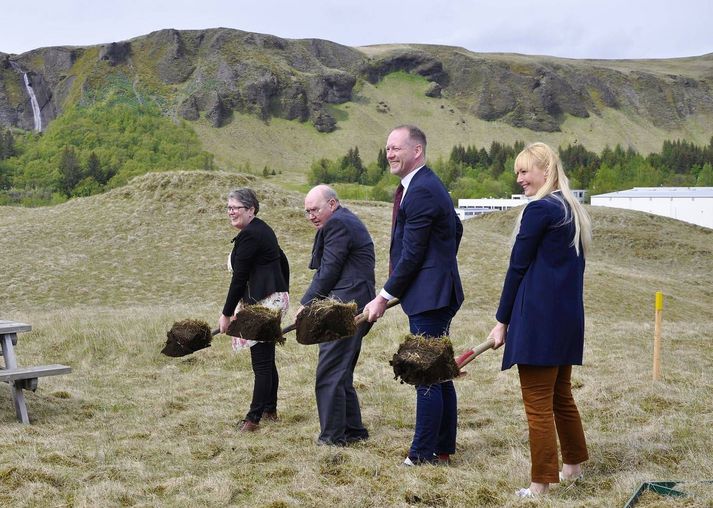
(260, 276)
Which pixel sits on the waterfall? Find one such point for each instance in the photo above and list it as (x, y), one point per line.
(35, 105)
(36, 113)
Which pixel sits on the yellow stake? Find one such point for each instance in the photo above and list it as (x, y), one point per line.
(657, 335)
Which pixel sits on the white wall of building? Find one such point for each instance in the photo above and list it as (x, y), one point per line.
(468, 208)
(689, 204)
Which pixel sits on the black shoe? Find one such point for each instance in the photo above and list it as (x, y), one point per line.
(356, 438)
(328, 442)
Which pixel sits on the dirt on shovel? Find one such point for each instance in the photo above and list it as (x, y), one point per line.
(424, 360)
(325, 321)
(256, 322)
(186, 337)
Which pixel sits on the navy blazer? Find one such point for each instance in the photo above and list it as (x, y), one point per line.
(542, 298)
(260, 268)
(424, 244)
(343, 255)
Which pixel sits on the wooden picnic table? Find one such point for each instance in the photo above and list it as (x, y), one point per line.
(21, 378)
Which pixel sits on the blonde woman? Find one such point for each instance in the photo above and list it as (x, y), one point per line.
(540, 318)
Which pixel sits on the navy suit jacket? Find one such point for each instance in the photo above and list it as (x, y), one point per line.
(424, 244)
(343, 255)
(542, 298)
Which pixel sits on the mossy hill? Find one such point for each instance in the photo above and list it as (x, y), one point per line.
(263, 99)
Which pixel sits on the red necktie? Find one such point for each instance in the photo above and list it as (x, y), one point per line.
(397, 203)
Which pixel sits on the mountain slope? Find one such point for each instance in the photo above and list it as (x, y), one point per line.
(233, 84)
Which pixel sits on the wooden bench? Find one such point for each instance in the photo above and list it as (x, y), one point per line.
(29, 375)
(22, 378)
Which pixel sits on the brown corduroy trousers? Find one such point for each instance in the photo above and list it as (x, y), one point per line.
(547, 394)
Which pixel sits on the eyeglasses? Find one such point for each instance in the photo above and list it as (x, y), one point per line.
(231, 209)
(313, 212)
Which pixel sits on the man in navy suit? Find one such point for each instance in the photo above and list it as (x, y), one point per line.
(424, 275)
(343, 255)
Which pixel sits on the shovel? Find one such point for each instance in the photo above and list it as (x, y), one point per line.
(469, 354)
(421, 361)
(317, 329)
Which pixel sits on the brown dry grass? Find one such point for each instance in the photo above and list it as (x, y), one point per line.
(101, 280)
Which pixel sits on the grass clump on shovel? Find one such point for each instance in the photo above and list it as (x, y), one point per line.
(186, 337)
(424, 360)
(256, 322)
(325, 320)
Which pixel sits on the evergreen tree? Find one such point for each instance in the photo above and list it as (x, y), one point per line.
(7, 145)
(579, 163)
(383, 162)
(94, 169)
(705, 177)
(69, 169)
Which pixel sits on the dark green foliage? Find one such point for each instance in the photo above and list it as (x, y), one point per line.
(69, 171)
(381, 161)
(705, 176)
(7, 144)
(580, 164)
(472, 172)
(348, 169)
(89, 149)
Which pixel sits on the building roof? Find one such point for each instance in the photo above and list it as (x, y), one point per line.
(660, 192)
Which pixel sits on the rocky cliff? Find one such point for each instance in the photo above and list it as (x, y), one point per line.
(213, 73)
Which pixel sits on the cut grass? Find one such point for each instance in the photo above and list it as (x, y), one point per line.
(102, 279)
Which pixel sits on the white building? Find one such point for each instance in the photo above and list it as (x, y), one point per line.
(689, 204)
(468, 208)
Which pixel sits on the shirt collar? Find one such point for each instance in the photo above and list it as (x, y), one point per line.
(406, 180)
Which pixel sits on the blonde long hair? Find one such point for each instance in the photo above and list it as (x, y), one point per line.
(546, 159)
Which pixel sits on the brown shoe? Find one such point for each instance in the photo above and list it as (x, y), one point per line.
(248, 426)
(270, 416)
(443, 458)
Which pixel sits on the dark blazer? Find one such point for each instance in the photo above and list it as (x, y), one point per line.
(260, 268)
(424, 245)
(343, 255)
(542, 298)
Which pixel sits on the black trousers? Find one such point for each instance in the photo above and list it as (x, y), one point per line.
(337, 400)
(267, 381)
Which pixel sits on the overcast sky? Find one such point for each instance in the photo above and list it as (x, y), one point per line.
(565, 28)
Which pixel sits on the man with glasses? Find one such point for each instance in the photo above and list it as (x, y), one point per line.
(343, 255)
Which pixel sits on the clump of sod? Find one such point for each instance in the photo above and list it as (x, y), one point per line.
(325, 320)
(256, 322)
(422, 360)
(186, 337)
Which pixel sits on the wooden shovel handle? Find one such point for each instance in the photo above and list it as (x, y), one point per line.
(357, 320)
(469, 354)
(361, 318)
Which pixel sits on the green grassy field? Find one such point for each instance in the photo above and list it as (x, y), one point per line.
(102, 279)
